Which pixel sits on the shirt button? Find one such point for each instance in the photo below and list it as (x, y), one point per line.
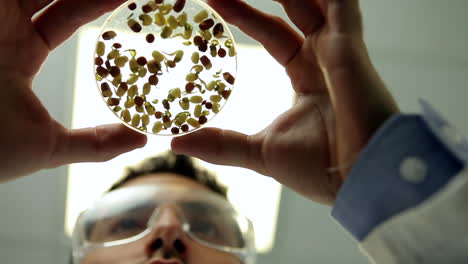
(413, 170)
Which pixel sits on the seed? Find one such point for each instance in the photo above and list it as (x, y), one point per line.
(146, 88)
(136, 120)
(215, 98)
(215, 108)
(175, 92)
(121, 61)
(159, 19)
(166, 104)
(222, 53)
(139, 101)
(146, 20)
(197, 111)
(105, 89)
(109, 35)
(171, 64)
(167, 121)
(193, 122)
(158, 114)
(207, 24)
(158, 56)
(166, 32)
(200, 16)
(188, 33)
(207, 35)
(202, 120)
(117, 45)
(195, 57)
(113, 101)
(100, 48)
(101, 71)
(228, 77)
(157, 127)
(206, 62)
(175, 130)
(159, 1)
(142, 61)
(226, 94)
(150, 38)
(139, 109)
(179, 55)
(221, 86)
(179, 5)
(129, 103)
(182, 19)
(165, 9)
(133, 79)
(122, 89)
(146, 8)
(189, 87)
(145, 120)
(134, 25)
(125, 115)
(228, 43)
(170, 98)
(218, 30)
(203, 102)
(172, 22)
(153, 79)
(213, 51)
(107, 63)
(198, 40)
(181, 118)
(208, 105)
(114, 71)
(153, 66)
(98, 61)
(150, 109)
(232, 51)
(190, 77)
(211, 86)
(132, 91)
(113, 54)
(142, 72)
(132, 6)
(196, 99)
(117, 80)
(203, 47)
(185, 103)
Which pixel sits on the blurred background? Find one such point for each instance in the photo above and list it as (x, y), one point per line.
(419, 48)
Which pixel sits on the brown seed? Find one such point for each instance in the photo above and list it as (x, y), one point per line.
(113, 101)
(139, 100)
(153, 79)
(134, 25)
(159, 1)
(228, 77)
(146, 8)
(150, 38)
(142, 61)
(203, 47)
(109, 35)
(222, 53)
(189, 87)
(105, 89)
(226, 94)
(114, 71)
(203, 102)
(166, 119)
(185, 128)
(198, 40)
(218, 30)
(123, 86)
(158, 114)
(206, 62)
(98, 61)
(202, 120)
(153, 66)
(132, 6)
(209, 105)
(175, 130)
(179, 5)
(117, 45)
(108, 65)
(171, 64)
(166, 104)
(207, 24)
(101, 71)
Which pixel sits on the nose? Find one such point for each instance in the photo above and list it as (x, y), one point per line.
(167, 232)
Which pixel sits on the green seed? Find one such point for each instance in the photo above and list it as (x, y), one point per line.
(179, 55)
(113, 54)
(139, 109)
(121, 61)
(182, 20)
(211, 86)
(195, 57)
(196, 99)
(146, 20)
(157, 127)
(228, 43)
(129, 103)
(166, 32)
(146, 88)
(191, 77)
(165, 9)
(133, 79)
(175, 92)
(185, 103)
(198, 68)
(188, 33)
(207, 35)
(172, 22)
(213, 51)
(150, 109)
(132, 91)
(215, 108)
(197, 111)
(117, 80)
(166, 104)
(134, 67)
(215, 98)
(232, 51)
(136, 120)
(159, 19)
(193, 122)
(142, 72)
(158, 56)
(100, 48)
(145, 120)
(125, 115)
(221, 86)
(200, 16)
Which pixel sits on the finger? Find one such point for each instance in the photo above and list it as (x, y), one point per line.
(278, 38)
(30, 7)
(223, 147)
(62, 18)
(95, 144)
(344, 16)
(307, 15)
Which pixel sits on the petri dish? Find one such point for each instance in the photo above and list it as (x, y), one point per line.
(165, 67)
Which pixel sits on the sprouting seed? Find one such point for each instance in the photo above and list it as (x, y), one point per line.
(228, 77)
(159, 19)
(193, 122)
(121, 61)
(153, 66)
(182, 20)
(166, 32)
(132, 91)
(109, 35)
(189, 78)
(146, 88)
(133, 79)
(150, 38)
(98, 61)
(202, 120)
(105, 89)
(181, 118)
(195, 57)
(222, 53)
(218, 30)
(197, 68)
(172, 22)
(215, 98)
(170, 98)
(117, 45)
(101, 71)
(100, 48)
(232, 51)
(132, 6)
(179, 5)
(157, 127)
(206, 24)
(113, 54)
(142, 72)
(129, 103)
(134, 25)
(158, 56)
(189, 87)
(200, 16)
(179, 55)
(113, 101)
(206, 62)
(136, 120)
(114, 71)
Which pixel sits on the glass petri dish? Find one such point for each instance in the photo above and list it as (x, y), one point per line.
(165, 67)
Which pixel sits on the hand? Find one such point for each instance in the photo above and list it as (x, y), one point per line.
(30, 139)
(341, 101)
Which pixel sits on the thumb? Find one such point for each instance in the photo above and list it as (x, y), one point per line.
(222, 147)
(95, 144)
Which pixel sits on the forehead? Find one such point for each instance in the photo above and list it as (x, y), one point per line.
(161, 179)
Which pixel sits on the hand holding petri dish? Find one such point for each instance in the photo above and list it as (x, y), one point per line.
(165, 67)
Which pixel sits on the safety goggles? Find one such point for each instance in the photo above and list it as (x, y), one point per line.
(129, 214)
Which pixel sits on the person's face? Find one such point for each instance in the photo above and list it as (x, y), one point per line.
(167, 243)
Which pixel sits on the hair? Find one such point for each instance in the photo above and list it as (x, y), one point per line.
(169, 162)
